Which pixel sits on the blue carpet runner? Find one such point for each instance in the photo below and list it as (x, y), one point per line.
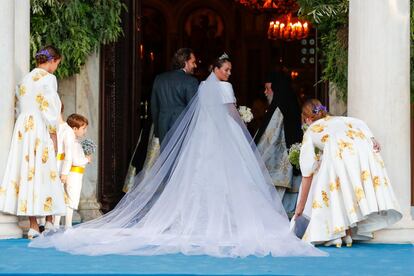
(362, 259)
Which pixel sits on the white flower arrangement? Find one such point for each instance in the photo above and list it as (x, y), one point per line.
(293, 155)
(245, 114)
(88, 146)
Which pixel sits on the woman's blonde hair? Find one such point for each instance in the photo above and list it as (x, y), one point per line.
(314, 110)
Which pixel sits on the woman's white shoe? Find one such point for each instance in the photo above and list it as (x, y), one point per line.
(32, 234)
(337, 242)
(49, 226)
(347, 240)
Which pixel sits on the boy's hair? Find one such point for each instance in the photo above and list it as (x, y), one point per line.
(76, 120)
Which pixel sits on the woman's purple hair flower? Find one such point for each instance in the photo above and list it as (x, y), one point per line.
(319, 108)
(45, 53)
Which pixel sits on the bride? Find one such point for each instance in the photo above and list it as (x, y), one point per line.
(207, 193)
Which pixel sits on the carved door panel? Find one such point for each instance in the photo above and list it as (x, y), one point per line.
(120, 108)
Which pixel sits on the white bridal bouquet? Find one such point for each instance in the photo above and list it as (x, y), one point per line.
(293, 155)
(245, 114)
(88, 146)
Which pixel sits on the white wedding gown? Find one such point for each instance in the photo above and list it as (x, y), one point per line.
(207, 193)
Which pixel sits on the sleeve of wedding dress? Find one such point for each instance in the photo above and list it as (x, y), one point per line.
(307, 157)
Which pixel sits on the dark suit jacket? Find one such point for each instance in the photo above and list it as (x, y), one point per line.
(171, 93)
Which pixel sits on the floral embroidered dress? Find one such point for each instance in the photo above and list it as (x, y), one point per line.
(350, 187)
(31, 184)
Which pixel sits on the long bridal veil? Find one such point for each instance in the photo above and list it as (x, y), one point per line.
(207, 193)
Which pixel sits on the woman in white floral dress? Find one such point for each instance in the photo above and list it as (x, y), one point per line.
(31, 185)
(345, 188)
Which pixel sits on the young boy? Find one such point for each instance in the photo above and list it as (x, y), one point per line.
(65, 140)
(72, 175)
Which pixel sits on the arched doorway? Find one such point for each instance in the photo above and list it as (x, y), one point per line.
(153, 31)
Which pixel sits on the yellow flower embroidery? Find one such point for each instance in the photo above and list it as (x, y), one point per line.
(29, 124)
(351, 133)
(16, 187)
(39, 75)
(53, 175)
(360, 135)
(335, 186)
(349, 125)
(359, 193)
(26, 158)
(376, 182)
(22, 90)
(19, 135)
(45, 155)
(345, 145)
(318, 128)
(364, 175)
(2, 190)
(325, 138)
(338, 230)
(37, 142)
(23, 206)
(325, 198)
(47, 206)
(44, 105)
(385, 181)
(316, 204)
(31, 174)
(39, 98)
(52, 129)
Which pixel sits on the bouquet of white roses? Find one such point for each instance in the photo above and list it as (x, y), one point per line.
(88, 146)
(293, 155)
(245, 114)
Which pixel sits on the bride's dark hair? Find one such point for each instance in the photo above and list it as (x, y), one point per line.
(218, 62)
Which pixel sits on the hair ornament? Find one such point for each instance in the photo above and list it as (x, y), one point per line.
(224, 56)
(45, 53)
(318, 109)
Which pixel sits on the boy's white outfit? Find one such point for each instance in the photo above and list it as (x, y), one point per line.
(71, 162)
(65, 138)
(75, 176)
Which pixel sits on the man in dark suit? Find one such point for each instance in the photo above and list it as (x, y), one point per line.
(172, 91)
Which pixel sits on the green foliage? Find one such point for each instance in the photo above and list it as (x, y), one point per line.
(331, 19)
(76, 27)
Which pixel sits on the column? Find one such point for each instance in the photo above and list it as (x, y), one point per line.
(8, 224)
(379, 92)
(87, 104)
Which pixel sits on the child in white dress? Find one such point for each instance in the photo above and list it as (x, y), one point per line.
(73, 177)
(31, 186)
